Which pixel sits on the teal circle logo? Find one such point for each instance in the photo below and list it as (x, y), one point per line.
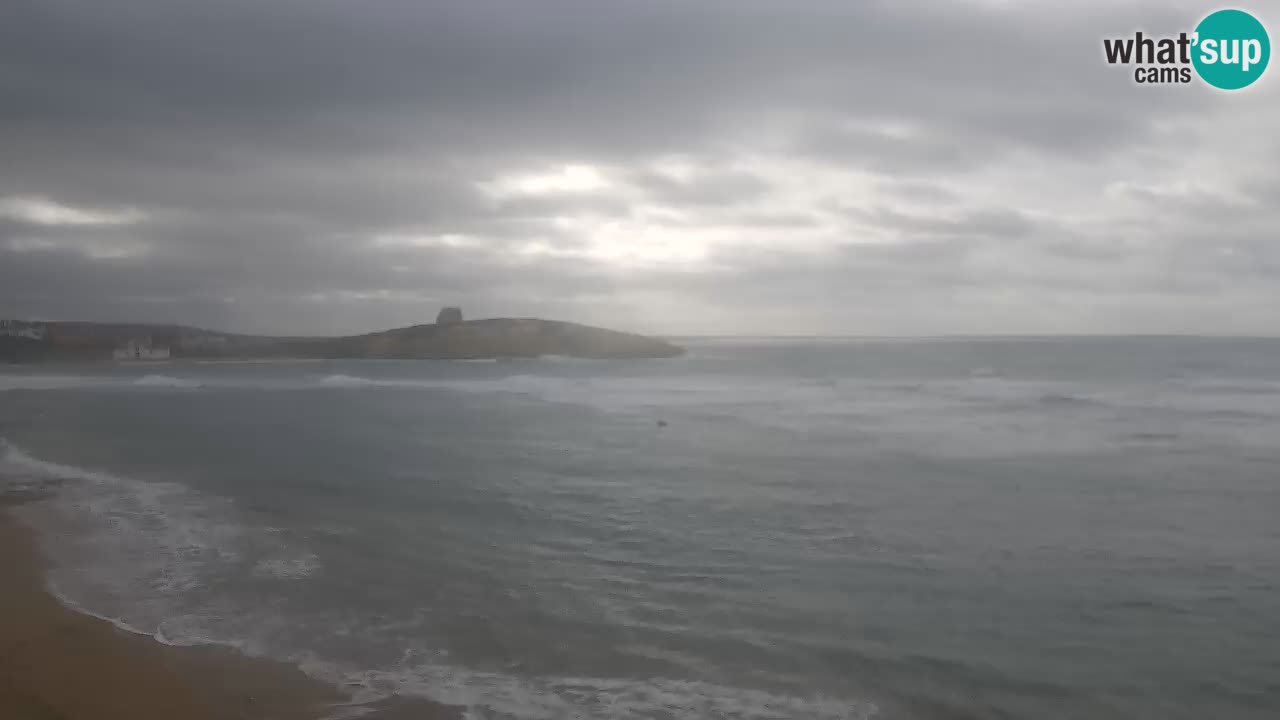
(1231, 49)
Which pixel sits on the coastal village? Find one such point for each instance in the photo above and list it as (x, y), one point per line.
(24, 330)
(140, 349)
(24, 339)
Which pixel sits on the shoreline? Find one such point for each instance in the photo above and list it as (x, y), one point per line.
(61, 663)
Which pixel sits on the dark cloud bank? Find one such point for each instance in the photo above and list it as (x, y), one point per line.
(671, 167)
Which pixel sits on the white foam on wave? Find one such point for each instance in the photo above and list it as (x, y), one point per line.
(617, 393)
(348, 381)
(610, 393)
(150, 547)
(166, 527)
(502, 696)
(572, 359)
(166, 381)
(288, 567)
(142, 554)
(83, 382)
(521, 384)
(162, 634)
(14, 455)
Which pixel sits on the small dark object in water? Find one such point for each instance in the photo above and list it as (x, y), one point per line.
(662, 423)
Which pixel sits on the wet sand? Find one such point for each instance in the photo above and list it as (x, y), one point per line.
(57, 664)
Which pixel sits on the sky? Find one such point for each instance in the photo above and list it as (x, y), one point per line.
(676, 167)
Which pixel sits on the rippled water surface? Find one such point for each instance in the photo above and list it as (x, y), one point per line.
(823, 529)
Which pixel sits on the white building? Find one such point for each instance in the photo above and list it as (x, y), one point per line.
(21, 329)
(141, 349)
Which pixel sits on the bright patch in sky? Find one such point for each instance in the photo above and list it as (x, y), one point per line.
(565, 179)
(43, 211)
(447, 240)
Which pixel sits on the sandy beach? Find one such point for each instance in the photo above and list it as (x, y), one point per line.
(57, 664)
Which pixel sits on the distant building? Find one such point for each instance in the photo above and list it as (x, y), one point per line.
(141, 349)
(22, 329)
(449, 316)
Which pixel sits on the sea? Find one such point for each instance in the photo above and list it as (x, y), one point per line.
(762, 529)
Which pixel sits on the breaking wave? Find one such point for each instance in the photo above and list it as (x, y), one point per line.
(349, 381)
(147, 556)
(166, 381)
(501, 696)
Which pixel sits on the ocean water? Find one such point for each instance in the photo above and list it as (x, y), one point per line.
(890, 529)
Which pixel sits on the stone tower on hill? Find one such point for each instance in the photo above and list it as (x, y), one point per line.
(449, 316)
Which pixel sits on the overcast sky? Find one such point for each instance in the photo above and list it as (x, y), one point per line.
(664, 166)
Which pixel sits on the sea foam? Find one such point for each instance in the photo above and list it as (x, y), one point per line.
(166, 381)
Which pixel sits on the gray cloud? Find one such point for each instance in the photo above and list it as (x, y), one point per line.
(886, 167)
(702, 189)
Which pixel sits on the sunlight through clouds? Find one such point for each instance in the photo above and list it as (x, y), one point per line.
(43, 211)
(974, 161)
(565, 179)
